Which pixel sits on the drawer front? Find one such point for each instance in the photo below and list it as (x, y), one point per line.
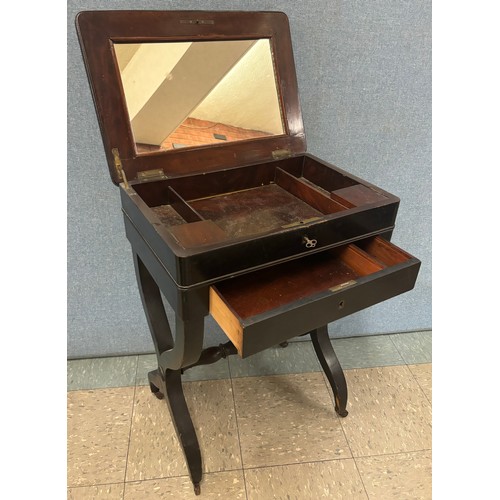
(264, 308)
(225, 261)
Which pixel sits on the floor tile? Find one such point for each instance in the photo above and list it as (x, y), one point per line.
(97, 435)
(297, 357)
(145, 364)
(367, 352)
(337, 479)
(285, 419)
(215, 371)
(406, 475)
(154, 448)
(102, 492)
(101, 372)
(388, 412)
(219, 485)
(423, 374)
(415, 347)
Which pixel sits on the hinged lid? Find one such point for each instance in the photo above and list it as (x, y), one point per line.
(184, 92)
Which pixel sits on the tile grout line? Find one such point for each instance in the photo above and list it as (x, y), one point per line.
(130, 431)
(396, 347)
(418, 383)
(402, 355)
(160, 478)
(177, 476)
(393, 454)
(328, 388)
(166, 478)
(93, 485)
(335, 459)
(352, 454)
(101, 388)
(382, 455)
(237, 429)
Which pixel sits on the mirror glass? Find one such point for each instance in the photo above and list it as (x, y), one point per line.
(188, 94)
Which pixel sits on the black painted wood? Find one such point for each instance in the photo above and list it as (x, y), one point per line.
(213, 354)
(331, 366)
(169, 386)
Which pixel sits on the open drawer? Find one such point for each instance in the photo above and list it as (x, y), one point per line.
(266, 307)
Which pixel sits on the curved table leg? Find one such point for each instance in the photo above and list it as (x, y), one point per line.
(153, 308)
(170, 385)
(165, 382)
(331, 366)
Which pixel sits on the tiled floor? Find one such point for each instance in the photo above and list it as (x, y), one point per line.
(266, 426)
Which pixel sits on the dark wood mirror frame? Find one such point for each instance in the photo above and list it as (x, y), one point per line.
(98, 31)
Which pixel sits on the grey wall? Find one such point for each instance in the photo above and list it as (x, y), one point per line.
(364, 73)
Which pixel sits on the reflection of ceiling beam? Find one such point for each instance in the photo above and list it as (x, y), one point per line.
(144, 67)
(201, 67)
(124, 53)
(247, 97)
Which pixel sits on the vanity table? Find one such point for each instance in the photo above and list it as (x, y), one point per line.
(226, 212)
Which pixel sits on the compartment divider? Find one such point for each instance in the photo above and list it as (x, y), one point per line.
(384, 251)
(318, 173)
(307, 193)
(182, 207)
(354, 196)
(341, 200)
(361, 262)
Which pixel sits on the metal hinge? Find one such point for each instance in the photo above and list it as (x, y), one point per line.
(342, 285)
(279, 154)
(151, 175)
(118, 167)
(300, 222)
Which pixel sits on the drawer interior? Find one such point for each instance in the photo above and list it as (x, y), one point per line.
(235, 300)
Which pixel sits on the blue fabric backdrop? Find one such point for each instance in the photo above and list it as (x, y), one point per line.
(364, 74)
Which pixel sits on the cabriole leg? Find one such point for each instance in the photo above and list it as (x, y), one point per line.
(153, 308)
(331, 366)
(170, 387)
(165, 382)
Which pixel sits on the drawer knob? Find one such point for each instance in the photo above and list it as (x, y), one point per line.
(309, 243)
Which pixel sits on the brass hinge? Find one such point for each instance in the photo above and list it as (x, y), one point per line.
(342, 285)
(118, 167)
(150, 175)
(300, 222)
(279, 154)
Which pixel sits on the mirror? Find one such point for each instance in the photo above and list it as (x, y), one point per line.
(188, 94)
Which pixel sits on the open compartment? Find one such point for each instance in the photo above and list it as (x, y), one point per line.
(245, 202)
(263, 308)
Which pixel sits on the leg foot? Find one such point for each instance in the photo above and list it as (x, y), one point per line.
(183, 425)
(170, 386)
(284, 344)
(156, 384)
(197, 488)
(331, 367)
(158, 394)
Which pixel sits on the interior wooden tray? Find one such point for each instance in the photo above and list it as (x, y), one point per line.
(248, 201)
(241, 305)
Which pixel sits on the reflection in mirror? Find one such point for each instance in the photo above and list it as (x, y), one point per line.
(185, 94)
